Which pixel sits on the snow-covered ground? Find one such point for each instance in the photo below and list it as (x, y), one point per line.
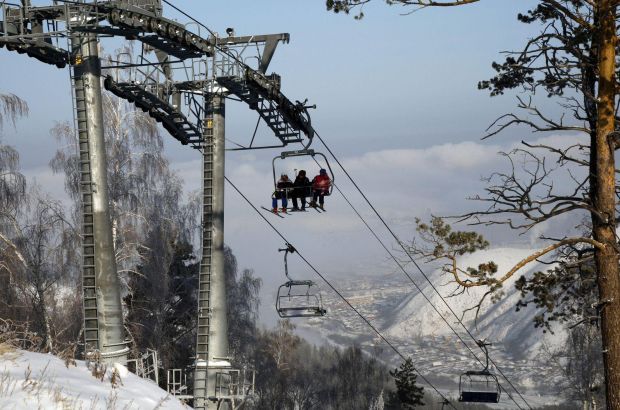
(41, 381)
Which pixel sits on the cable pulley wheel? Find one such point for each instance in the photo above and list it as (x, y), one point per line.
(172, 31)
(152, 24)
(189, 38)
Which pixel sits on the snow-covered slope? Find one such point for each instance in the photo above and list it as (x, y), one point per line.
(498, 323)
(40, 381)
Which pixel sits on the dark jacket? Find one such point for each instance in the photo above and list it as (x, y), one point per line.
(283, 189)
(302, 187)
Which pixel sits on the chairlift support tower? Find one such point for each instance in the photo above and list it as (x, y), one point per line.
(103, 316)
(212, 344)
(39, 31)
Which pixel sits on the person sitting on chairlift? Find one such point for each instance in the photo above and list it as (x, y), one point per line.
(301, 190)
(320, 187)
(282, 192)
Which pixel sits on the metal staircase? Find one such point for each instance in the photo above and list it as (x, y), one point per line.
(171, 119)
(16, 37)
(168, 35)
(268, 109)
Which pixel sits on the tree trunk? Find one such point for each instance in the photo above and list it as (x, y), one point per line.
(603, 184)
(41, 309)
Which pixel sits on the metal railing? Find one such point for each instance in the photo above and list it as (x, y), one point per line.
(235, 384)
(176, 384)
(146, 365)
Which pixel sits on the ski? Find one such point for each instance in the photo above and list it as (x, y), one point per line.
(272, 213)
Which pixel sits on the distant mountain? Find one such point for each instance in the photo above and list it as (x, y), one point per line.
(408, 321)
(498, 323)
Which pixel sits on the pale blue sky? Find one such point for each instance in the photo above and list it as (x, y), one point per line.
(388, 82)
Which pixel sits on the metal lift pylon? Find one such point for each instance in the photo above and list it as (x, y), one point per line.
(210, 64)
(212, 343)
(103, 318)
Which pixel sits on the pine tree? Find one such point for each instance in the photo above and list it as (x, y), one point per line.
(573, 60)
(408, 393)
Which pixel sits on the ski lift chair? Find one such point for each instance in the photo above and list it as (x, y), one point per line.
(302, 153)
(298, 298)
(479, 386)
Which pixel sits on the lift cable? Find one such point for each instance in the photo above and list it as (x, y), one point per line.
(220, 48)
(402, 268)
(373, 208)
(384, 223)
(194, 20)
(333, 288)
(400, 243)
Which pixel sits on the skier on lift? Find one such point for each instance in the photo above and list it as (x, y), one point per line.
(283, 187)
(320, 187)
(302, 189)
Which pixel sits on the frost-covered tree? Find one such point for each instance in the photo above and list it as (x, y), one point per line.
(12, 194)
(242, 309)
(40, 270)
(579, 361)
(408, 394)
(12, 182)
(11, 108)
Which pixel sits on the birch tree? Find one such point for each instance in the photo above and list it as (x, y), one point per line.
(40, 267)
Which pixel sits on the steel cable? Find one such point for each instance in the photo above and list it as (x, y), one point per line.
(402, 268)
(400, 243)
(337, 292)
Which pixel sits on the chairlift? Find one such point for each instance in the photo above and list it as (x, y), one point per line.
(298, 298)
(302, 153)
(479, 386)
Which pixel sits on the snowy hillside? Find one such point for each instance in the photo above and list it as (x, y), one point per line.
(40, 381)
(409, 322)
(499, 323)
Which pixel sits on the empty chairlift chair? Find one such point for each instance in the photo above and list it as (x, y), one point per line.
(298, 298)
(479, 386)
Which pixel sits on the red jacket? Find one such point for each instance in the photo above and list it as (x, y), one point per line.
(321, 183)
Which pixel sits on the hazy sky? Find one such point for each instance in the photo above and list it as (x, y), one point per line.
(396, 99)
